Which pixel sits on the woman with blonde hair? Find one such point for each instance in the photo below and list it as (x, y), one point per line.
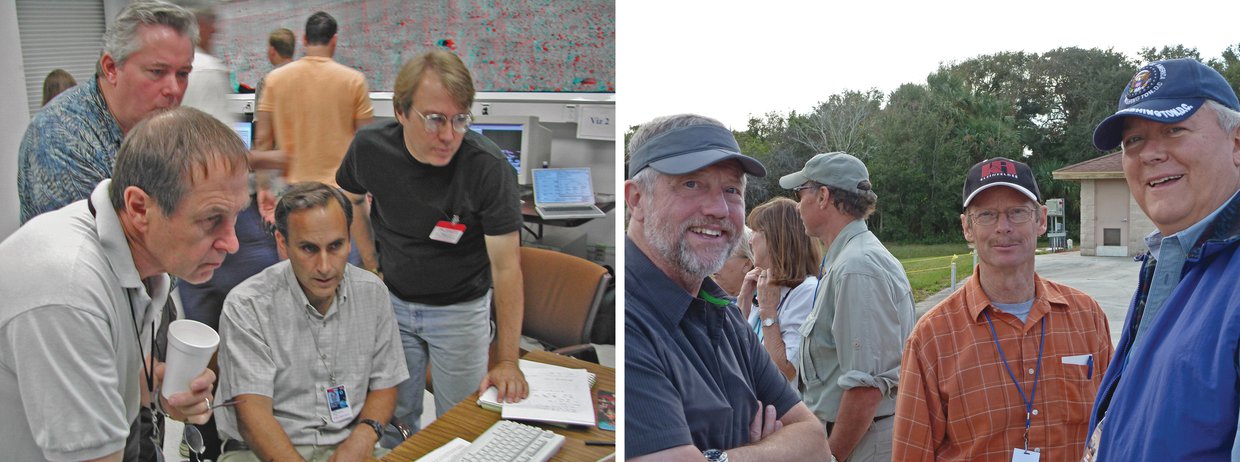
(784, 280)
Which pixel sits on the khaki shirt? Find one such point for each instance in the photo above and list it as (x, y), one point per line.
(855, 333)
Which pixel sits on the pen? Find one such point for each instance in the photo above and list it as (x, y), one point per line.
(600, 443)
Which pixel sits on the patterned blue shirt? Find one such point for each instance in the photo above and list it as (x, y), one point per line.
(69, 147)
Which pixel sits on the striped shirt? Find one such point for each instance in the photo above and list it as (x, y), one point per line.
(957, 401)
(69, 147)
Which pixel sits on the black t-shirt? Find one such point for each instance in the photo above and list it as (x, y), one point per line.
(410, 198)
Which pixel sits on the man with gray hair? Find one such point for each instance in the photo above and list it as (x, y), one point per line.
(84, 285)
(70, 145)
(852, 338)
(1178, 124)
(699, 385)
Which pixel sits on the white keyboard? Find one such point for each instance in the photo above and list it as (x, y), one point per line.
(511, 441)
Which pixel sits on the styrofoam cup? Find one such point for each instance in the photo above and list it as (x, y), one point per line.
(190, 346)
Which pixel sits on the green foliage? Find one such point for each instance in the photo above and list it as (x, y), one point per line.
(1151, 54)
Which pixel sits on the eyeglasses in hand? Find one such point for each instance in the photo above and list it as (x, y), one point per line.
(193, 438)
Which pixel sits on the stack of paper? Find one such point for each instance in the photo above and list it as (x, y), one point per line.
(557, 395)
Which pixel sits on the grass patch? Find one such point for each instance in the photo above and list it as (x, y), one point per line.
(928, 266)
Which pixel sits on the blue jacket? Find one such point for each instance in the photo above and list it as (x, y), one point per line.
(1177, 396)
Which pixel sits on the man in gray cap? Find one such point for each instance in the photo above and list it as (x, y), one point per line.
(1178, 123)
(698, 383)
(863, 310)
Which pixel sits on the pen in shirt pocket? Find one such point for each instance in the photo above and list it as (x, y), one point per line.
(1090, 362)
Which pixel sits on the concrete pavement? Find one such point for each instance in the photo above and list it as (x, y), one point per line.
(1110, 280)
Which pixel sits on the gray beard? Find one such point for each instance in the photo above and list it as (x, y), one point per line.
(660, 235)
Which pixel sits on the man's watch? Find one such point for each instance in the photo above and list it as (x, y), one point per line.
(715, 455)
(375, 425)
(768, 322)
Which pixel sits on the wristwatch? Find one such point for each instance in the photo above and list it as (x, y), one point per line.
(715, 455)
(375, 425)
(768, 322)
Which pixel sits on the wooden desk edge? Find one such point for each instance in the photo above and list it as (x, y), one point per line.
(467, 420)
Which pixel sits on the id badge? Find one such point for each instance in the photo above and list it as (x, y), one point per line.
(1021, 455)
(446, 231)
(338, 404)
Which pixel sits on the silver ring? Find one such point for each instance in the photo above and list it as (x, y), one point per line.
(208, 400)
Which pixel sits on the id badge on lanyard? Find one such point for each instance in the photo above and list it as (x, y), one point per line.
(449, 232)
(338, 403)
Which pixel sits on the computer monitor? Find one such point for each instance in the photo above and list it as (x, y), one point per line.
(525, 142)
(245, 130)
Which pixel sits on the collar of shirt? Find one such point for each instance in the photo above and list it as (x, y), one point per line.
(1044, 300)
(299, 295)
(116, 250)
(851, 230)
(99, 110)
(1186, 238)
(674, 300)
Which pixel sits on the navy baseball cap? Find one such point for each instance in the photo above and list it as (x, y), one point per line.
(686, 149)
(1165, 92)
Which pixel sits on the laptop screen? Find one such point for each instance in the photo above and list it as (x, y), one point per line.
(562, 186)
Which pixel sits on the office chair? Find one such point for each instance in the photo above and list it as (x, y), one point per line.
(562, 297)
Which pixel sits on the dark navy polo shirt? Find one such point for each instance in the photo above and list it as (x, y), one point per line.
(694, 372)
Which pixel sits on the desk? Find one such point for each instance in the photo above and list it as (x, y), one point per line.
(531, 217)
(467, 420)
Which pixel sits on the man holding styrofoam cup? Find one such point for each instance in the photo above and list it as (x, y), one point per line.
(190, 346)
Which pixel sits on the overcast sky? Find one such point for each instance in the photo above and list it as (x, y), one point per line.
(760, 56)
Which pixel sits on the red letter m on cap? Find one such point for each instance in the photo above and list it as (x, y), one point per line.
(999, 167)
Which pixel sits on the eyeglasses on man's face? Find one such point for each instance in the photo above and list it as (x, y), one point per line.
(435, 122)
(1015, 215)
(796, 192)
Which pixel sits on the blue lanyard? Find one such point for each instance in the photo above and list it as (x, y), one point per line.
(1037, 372)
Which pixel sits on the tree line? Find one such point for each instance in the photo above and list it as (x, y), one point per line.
(919, 139)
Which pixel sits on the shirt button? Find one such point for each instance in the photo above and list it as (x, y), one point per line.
(1034, 412)
(1031, 371)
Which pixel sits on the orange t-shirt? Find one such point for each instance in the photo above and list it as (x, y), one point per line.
(314, 104)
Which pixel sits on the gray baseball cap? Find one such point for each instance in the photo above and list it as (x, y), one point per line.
(834, 169)
(686, 149)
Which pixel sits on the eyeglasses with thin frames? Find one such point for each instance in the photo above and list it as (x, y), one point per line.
(435, 122)
(1015, 215)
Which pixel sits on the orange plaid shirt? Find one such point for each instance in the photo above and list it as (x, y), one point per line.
(956, 400)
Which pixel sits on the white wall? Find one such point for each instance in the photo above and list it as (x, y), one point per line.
(13, 116)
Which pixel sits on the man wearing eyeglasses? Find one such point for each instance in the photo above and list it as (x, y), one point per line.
(311, 108)
(863, 310)
(447, 215)
(1006, 368)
